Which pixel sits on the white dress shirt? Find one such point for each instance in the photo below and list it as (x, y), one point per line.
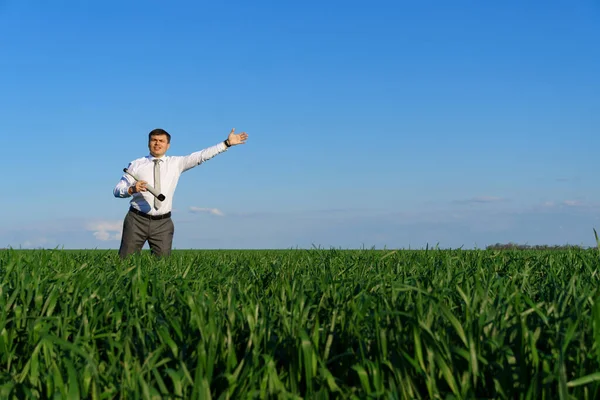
(171, 167)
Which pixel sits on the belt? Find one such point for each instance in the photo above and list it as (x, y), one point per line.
(154, 217)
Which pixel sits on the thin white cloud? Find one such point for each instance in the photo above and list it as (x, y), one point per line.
(35, 243)
(482, 200)
(106, 230)
(568, 205)
(213, 211)
(487, 199)
(572, 203)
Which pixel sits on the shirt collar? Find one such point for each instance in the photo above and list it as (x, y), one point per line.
(150, 157)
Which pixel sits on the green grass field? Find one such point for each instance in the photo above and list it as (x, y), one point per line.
(411, 324)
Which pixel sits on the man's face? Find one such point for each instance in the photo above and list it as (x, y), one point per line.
(158, 145)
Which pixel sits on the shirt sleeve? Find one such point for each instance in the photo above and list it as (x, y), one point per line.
(198, 157)
(123, 185)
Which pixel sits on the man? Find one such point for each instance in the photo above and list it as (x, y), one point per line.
(148, 218)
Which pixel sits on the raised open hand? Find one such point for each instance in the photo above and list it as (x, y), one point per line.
(237, 138)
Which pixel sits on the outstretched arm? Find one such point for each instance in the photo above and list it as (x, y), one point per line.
(199, 157)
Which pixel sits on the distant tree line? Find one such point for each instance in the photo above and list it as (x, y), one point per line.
(516, 246)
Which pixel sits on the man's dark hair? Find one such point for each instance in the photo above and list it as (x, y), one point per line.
(158, 131)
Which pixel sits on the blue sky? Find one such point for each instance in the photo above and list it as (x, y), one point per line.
(372, 124)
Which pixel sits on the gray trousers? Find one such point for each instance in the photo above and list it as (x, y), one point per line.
(137, 229)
